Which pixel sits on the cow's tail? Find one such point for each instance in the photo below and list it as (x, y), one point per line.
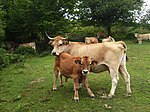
(125, 48)
(124, 45)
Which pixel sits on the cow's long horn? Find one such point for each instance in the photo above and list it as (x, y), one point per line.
(48, 36)
(64, 38)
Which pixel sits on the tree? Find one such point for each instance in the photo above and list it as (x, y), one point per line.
(29, 19)
(2, 23)
(108, 12)
(146, 20)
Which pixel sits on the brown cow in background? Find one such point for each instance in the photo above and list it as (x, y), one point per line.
(91, 40)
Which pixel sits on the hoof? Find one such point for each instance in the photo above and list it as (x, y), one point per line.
(54, 89)
(127, 95)
(92, 96)
(61, 85)
(76, 99)
(106, 97)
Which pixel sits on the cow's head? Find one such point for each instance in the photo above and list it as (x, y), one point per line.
(87, 40)
(136, 34)
(86, 64)
(59, 44)
(108, 39)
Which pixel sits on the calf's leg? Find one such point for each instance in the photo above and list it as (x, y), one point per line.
(85, 81)
(56, 72)
(76, 89)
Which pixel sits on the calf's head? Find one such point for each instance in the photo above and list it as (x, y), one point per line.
(86, 63)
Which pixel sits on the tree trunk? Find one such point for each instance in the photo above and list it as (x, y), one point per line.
(108, 28)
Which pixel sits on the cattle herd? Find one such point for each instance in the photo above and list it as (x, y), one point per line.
(12, 46)
(76, 59)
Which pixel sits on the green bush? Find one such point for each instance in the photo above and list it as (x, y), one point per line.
(4, 58)
(9, 58)
(79, 33)
(25, 51)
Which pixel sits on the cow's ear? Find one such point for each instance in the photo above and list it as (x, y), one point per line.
(51, 41)
(94, 62)
(65, 41)
(77, 61)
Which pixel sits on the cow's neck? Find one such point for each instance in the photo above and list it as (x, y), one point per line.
(70, 46)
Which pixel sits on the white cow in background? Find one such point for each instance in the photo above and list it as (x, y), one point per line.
(141, 37)
(30, 44)
(108, 39)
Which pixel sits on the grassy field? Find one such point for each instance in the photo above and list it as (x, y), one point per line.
(26, 87)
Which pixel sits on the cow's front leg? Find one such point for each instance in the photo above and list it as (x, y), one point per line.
(85, 81)
(140, 41)
(76, 89)
(56, 72)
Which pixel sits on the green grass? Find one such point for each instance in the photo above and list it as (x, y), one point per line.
(26, 87)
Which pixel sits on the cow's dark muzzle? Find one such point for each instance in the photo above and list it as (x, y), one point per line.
(53, 53)
(85, 72)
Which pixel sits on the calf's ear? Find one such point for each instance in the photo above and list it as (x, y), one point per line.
(77, 61)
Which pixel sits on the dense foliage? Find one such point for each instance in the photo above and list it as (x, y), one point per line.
(109, 12)
(2, 23)
(7, 58)
(27, 20)
(25, 50)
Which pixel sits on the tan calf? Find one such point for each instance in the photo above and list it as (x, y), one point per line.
(75, 68)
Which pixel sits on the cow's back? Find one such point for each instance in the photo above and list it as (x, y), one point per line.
(143, 36)
(96, 51)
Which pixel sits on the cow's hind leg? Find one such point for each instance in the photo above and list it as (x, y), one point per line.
(126, 77)
(114, 78)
